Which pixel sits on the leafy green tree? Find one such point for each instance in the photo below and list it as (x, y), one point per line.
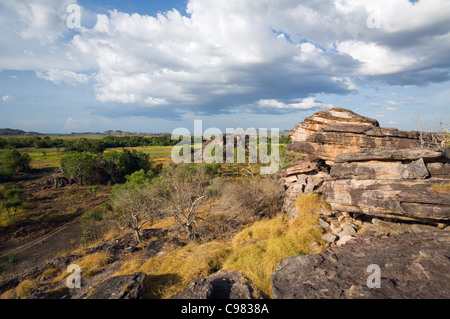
(120, 164)
(135, 180)
(82, 167)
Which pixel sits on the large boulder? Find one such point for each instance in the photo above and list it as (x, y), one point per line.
(412, 265)
(220, 285)
(121, 287)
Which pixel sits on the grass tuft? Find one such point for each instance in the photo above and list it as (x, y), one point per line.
(256, 253)
(92, 264)
(441, 188)
(24, 288)
(309, 203)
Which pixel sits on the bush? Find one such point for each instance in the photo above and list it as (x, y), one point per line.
(13, 162)
(260, 197)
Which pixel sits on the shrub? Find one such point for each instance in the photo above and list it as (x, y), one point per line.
(13, 162)
(258, 197)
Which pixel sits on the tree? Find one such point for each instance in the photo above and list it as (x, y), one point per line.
(120, 164)
(80, 166)
(135, 206)
(14, 199)
(183, 189)
(89, 221)
(178, 192)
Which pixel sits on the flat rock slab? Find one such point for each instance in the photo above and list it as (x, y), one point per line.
(121, 287)
(390, 155)
(412, 265)
(220, 285)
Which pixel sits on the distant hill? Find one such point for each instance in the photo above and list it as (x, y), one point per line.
(121, 133)
(13, 132)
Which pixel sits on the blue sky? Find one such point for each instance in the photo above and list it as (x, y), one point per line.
(153, 66)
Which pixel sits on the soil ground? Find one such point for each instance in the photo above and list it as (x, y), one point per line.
(50, 221)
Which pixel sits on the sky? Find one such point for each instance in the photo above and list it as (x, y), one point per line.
(153, 66)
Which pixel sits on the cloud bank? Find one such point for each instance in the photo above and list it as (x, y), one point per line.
(256, 56)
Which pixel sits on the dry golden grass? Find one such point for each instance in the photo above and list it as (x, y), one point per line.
(49, 272)
(9, 294)
(24, 288)
(93, 263)
(89, 264)
(260, 247)
(309, 203)
(165, 223)
(260, 230)
(170, 273)
(130, 266)
(441, 188)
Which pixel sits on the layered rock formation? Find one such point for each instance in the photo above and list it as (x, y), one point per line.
(329, 133)
(391, 184)
(363, 171)
(362, 168)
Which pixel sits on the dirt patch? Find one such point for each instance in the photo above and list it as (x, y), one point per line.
(50, 221)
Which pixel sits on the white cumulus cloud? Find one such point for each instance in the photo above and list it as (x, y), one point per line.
(60, 76)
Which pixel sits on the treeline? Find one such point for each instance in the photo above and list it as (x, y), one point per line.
(83, 144)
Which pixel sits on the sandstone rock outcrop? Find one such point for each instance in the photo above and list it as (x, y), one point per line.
(390, 184)
(413, 265)
(329, 133)
(362, 168)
